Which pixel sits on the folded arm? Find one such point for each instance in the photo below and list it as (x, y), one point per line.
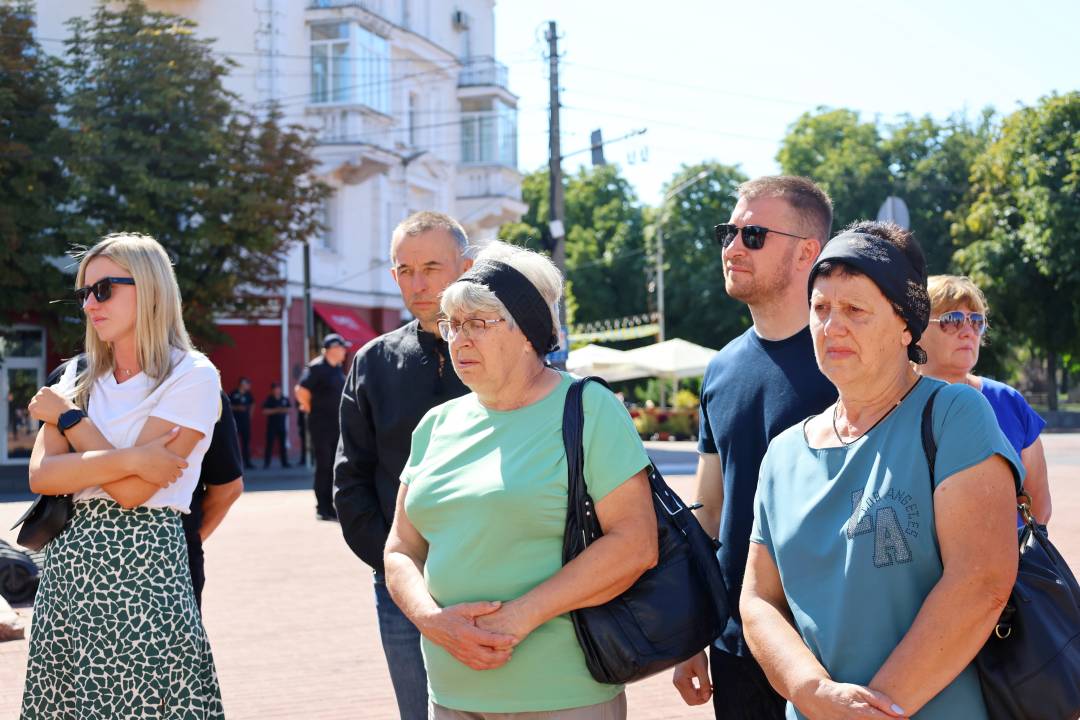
(129, 475)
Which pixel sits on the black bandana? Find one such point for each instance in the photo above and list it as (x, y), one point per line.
(891, 271)
(521, 299)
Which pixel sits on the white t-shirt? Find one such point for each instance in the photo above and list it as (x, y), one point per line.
(190, 397)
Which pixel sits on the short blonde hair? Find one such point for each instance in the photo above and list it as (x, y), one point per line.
(159, 320)
(948, 292)
(467, 297)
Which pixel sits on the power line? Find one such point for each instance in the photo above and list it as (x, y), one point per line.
(681, 126)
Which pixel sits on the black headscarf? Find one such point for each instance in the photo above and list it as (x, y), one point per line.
(891, 270)
(521, 299)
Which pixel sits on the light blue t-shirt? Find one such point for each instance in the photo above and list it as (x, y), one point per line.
(851, 530)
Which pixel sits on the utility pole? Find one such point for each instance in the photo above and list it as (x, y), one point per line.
(555, 188)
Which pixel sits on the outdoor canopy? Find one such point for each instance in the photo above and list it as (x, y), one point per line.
(672, 359)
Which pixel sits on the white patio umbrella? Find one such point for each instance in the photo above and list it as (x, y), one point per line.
(605, 362)
(672, 359)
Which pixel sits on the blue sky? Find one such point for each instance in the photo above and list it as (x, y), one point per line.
(722, 81)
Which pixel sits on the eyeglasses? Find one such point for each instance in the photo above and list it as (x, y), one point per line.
(951, 322)
(102, 289)
(753, 236)
(469, 327)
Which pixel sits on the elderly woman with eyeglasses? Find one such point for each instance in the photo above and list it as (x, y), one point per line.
(871, 581)
(474, 556)
(958, 325)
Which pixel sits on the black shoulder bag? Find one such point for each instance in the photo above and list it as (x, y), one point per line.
(675, 609)
(1029, 668)
(48, 514)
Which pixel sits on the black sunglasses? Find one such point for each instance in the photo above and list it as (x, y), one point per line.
(753, 236)
(102, 289)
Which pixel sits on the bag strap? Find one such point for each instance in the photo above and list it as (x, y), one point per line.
(580, 509)
(929, 444)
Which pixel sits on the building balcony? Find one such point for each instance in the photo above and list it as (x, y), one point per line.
(484, 71)
(484, 78)
(488, 196)
(349, 123)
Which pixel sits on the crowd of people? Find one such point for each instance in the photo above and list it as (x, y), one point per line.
(861, 583)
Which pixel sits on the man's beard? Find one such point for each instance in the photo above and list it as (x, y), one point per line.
(763, 289)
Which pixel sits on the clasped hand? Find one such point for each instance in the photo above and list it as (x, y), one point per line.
(481, 635)
(830, 700)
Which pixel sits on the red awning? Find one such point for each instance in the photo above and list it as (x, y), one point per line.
(345, 321)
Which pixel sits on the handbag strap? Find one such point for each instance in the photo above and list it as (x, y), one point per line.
(929, 443)
(580, 510)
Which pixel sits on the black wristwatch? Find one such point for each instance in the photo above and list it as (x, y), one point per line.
(69, 419)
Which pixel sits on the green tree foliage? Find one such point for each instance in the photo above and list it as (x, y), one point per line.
(925, 162)
(845, 156)
(930, 164)
(33, 185)
(605, 251)
(698, 308)
(161, 147)
(1021, 231)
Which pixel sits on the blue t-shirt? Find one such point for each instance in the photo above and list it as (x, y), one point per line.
(753, 389)
(1019, 423)
(852, 532)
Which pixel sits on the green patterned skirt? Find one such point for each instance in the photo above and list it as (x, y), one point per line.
(116, 633)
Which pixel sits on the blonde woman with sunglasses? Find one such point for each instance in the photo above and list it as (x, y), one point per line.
(116, 632)
(958, 325)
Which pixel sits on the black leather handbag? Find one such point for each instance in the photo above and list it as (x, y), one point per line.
(1029, 668)
(48, 514)
(675, 609)
(43, 521)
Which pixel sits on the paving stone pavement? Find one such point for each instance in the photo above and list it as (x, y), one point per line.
(291, 618)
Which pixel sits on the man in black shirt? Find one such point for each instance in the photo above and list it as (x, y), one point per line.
(220, 484)
(319, 395)
(276, 409)
(394, 380)
(758, 385)
(241, 400)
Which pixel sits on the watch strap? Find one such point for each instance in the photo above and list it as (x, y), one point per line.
(69, 419)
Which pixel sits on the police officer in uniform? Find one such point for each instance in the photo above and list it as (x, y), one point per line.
(276, 409)
(241, 400)
(319, 395)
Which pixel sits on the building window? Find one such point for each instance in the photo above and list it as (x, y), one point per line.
(414, 120)
(488, 133)
(326, 239)
(349, 64)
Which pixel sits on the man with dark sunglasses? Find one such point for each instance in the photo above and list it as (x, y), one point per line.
(758, 385)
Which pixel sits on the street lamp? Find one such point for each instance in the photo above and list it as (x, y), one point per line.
(673, 192)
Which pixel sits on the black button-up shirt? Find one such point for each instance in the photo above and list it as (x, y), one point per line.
(394, 380)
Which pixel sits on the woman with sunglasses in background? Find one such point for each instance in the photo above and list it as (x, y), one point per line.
(958, 324)
(116, 632)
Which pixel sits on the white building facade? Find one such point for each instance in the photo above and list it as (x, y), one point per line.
(411, 111)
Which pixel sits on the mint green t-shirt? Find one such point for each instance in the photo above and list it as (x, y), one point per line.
(487, 491)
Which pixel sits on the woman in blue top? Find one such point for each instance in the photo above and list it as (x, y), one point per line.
(958, 323)
(871, 586)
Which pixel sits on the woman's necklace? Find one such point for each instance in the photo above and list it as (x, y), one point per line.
(836, 410)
